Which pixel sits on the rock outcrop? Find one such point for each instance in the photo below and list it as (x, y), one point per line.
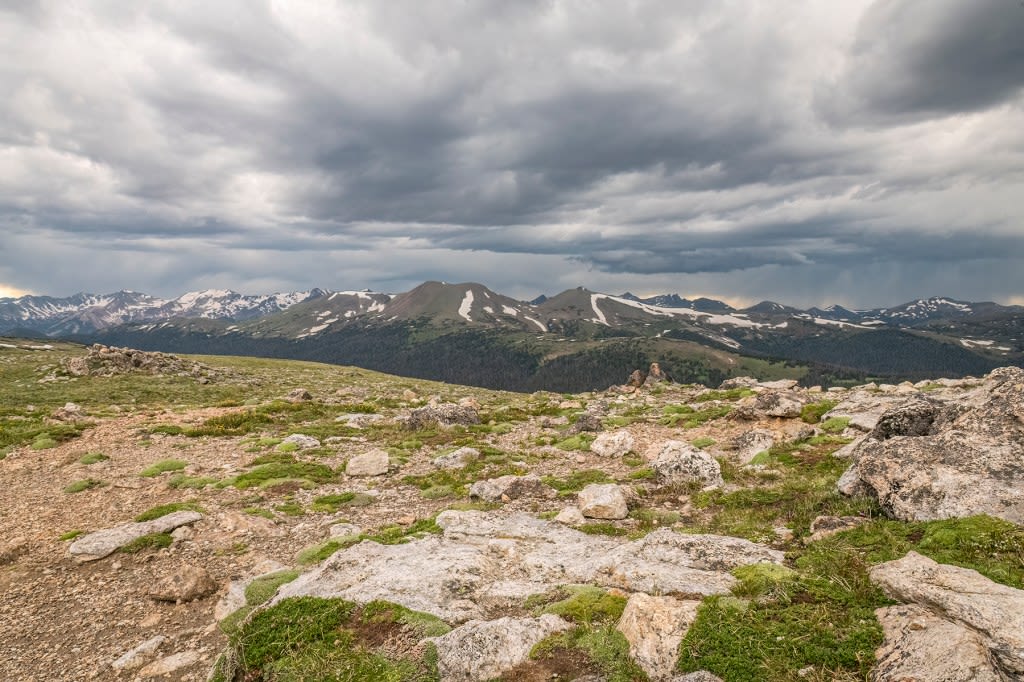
(483, 650)
(104, 542)
(925, 461)
(978, 624)
(485, 562)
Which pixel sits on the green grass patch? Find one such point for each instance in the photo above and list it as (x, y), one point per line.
(320, 551)
(82, 485)
(71, 535)
(581, 441)
(702, 443)
(577, 480)
(834, 424)
(92, 458)
(586, 605)
(151, 541)
(181, 481)
(167, 429)
(263, 588)
(424, 624)
(603, 647)
(602, 528)
(259, 511)
(165, 509)
(308, 638)
(686, 417)
(332, 503)
(44, 443)
(731, 394)
(290, 509)
(277, 471)
(163, 466)
(813, 412)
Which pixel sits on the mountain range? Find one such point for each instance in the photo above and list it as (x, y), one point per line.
(575, 340)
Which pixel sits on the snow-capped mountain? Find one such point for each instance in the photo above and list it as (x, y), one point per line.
(85, 313)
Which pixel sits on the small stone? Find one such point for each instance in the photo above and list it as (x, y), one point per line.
(303, 441)
(186, 584)
(140, 655)
(570, 516)
(344, 530)
(511, 487)
(12, 549)
(299, 395)
(457, 459)
(603, 501)
(372, 463)
(613, 444)
(170, 664)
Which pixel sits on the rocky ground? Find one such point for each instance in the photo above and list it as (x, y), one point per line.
(186, 519)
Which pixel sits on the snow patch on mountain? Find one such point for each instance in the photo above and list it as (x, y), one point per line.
(466, 306)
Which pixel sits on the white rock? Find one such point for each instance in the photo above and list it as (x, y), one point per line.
(303, 441)
(104, 542)
(603, 501)
(343, 530)
(170, 664)
(965, 597)
(570, 516)
(457, 459)
(484, 650)
(613, 443)
(372, 463)
(752, 443)
(140, 655)
(654, 627)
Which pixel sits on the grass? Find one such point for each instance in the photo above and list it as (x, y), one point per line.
(702, 443)
(576, 480)
(586, 605)
(686, 417)
(71, 535)
(163, 466)
(834, 424)
(309, 638)
(332, 503)
(82, 485)
(165, 509)
(731, 395)
(812, 413)
(92, 458)
(282, 468)
(180, 481)
(151, 541)
(263, 588)
(580, 441)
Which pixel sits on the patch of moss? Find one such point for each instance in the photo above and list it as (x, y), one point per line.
(264, 587)
(163, 466)
(812, 412)
(280, 470)
(151, 541)
(834, 424)
(586, 604)
(44, 443)
(71, 535)
(332, 503)
(604, 646)
(424, 624)
(686, 417)
(92, 458)
(731, 394)
(320, 551)
(165, 509)
(577, 480)
(290, 509)
(82, 485)
(190, 482)
(702, 443)
(259, 511)
(580, 441)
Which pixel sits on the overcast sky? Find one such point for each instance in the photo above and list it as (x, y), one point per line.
(864, 153)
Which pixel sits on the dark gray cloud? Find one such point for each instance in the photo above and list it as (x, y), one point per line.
(726, 149)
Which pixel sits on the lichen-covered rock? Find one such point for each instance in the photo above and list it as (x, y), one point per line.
(139, 655)
(654, 627)
(925, 462)
(603, 501)
(302, 441)
(920, 645)
(965, 598)
(484, 650)
(783, 404)
(104, 542)
(510, 487)
(457, 459)
(613, 443)
(679, 462)
(752, 443)
(487, 562)
(443, 414)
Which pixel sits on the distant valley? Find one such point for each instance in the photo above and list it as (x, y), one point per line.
(576, 340)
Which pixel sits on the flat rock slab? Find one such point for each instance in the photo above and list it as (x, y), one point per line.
(486, 562)
(484, 650)
(963, 597)
(104, 542)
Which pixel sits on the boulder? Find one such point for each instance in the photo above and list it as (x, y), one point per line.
(187, 583)
(505, 488)
(603, 501)
(613, 443)
(919, 645)
(738, 382)
(679, 462)
(752, 443)
(298, 395)
(104, 542)
(372, 463)
(484, 650)
(487, 562)
(570, 516)
(656, 375)
(586, 422)
(636, 378)
(782, 404)
(992, 611)
(442, 414)
(69, 413)
(924, 462)
(303, 441)
(457, 459)
(654, 628)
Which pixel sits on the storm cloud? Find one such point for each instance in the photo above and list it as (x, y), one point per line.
(862, 152)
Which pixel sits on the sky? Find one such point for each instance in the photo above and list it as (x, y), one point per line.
(856, 152)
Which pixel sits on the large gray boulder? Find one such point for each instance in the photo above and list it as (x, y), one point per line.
(443, 414)
(487, 562)
(104, 542)
(985, 614)
(484, 650)
(654, 628)
(925, 461)
(679, 462)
